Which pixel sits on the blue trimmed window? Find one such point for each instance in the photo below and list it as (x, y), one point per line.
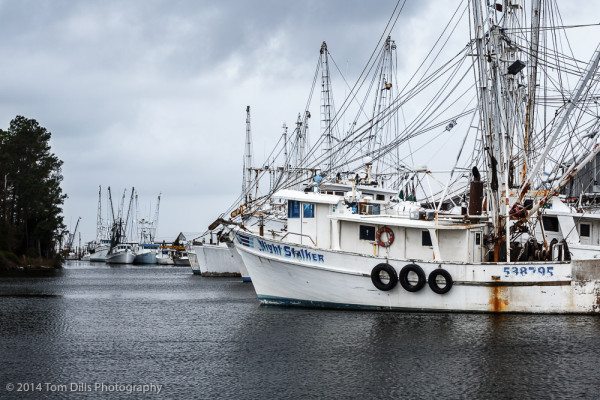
(293, 209)
(309, 210)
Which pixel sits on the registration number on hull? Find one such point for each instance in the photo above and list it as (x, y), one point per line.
(524, 271)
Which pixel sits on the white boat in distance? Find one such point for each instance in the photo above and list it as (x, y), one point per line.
(145, 253)
(217, 260)
(121, 254)
(164, 257)
(99, 254)
(181, 259)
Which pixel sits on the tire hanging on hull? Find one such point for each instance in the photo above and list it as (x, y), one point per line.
(376, 277)
(433, 285)
(406, 284)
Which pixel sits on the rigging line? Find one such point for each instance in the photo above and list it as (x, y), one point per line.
(549, 28)
(335, 121)
(389, 110)
(375, 50)
(402, 139)
(431, 51)
(361, 107)
(419, 121)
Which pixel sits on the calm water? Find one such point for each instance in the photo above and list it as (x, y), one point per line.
(90, 324)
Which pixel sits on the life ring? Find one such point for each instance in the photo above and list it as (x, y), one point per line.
(390, 235)
(433, 281)
(403, 278)
(376, 277)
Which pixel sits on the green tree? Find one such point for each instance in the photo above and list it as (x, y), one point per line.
(31, 196)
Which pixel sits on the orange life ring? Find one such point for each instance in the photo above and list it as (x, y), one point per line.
(390, 235)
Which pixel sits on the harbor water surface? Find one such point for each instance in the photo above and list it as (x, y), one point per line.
(209, 338)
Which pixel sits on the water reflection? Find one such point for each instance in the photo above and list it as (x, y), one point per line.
(209, 338)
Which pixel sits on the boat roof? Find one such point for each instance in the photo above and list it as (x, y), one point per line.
(403, 221)
(348, 187)
(310, 197)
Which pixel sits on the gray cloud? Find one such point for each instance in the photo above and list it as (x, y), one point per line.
(152, 94)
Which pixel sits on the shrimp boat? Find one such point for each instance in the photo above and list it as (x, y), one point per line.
(358, 252)
(122, 253)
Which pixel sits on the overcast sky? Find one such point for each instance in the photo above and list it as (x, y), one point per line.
(152, 94)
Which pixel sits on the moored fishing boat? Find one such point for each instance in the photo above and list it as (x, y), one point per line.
(356, 251)
(403, 263)
(100, 251)
(121, 254)
(145, 253)
(164, 256)
(217, 260)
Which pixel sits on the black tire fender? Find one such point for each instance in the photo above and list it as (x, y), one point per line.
(376, 278)
(403, 278)
(433, 283)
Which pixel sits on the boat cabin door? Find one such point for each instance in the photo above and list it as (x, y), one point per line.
(302, 223)
(476, 246)
(309, 224)
(585, 233)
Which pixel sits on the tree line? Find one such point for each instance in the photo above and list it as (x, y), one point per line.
(31, 199)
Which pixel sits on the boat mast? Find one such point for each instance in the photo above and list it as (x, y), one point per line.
(509, 91)
(285, 154)
(99, 217)
(384, 95)
(155, 220)
(128, 212)
(489, 129)
(326, 108)
(112, 211)
(532, 87)
(247, 180)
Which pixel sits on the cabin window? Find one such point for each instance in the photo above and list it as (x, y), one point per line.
(293, 209)
(550, 224)
(584, 230)
(366, 232)
(339, 193)
(380, 197)
(426, 239)
(376, 209)
(308, 210)
(478, 239)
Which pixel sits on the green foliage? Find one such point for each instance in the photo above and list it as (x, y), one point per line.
(31, 198)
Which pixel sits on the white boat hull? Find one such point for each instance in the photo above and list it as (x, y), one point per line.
(164, 260)
(291, 274)
(145, 257)
(99, 255)
(194, 264)
(124, 257)
(217, 260)
(182, 261)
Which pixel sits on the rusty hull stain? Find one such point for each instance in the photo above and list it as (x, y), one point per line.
(498, 298)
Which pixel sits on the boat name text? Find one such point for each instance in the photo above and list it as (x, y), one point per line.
(290, 252)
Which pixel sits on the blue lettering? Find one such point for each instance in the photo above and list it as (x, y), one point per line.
(287, 251)
(314, 257)
(321, 258)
